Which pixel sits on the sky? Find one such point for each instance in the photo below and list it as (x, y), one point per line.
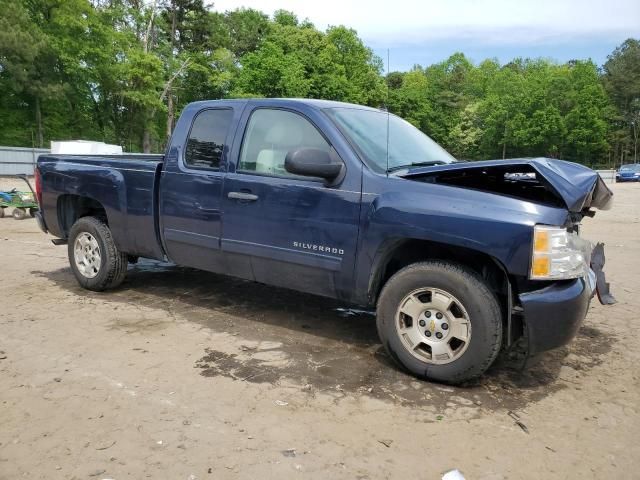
(429, 31)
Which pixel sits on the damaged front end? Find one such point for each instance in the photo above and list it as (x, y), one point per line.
(550, 182)
(555, 183)
(565, 270)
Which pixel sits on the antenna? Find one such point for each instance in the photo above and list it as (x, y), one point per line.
(387, 107)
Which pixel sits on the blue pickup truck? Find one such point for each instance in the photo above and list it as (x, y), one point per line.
(461, 259)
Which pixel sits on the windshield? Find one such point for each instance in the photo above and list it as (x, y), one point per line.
(408, 146)
(631, 168)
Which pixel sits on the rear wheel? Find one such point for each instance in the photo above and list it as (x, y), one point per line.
(32, 211)
(95, 260)
(440, 321)
(19, 213)
(1, 212)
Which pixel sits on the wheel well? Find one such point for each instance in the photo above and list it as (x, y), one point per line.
(72, 207)
(413, 251)
(407, 252)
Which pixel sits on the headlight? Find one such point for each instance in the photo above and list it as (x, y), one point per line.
(558, 254)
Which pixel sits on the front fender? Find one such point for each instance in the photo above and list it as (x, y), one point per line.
(498, 226)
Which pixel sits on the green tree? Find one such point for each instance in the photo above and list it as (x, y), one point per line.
(30, 68)
(409, 97)
(246, 29)
(300, 61)
(466, 134)
(622, 82)
(447, 86)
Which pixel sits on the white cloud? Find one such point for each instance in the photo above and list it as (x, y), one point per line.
(403, 22)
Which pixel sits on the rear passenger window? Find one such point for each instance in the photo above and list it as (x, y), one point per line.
(206, 139)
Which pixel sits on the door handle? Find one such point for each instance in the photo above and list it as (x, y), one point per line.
(247, 197)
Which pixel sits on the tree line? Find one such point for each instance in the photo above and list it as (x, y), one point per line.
(120, 71)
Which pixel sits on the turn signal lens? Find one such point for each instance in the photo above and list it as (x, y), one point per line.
(541, 241)
(541, 266)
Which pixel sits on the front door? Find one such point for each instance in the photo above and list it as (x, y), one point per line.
(297, 232)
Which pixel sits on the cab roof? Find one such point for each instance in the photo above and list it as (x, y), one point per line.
(316, 103)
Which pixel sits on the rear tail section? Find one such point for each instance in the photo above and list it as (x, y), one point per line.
(38, 182)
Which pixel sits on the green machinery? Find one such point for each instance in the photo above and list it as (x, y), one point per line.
(23, 203)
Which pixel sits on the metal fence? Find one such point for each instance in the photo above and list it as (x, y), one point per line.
(17, 160)
(607, 175)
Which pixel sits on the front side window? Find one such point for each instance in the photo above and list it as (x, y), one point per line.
(270, 135)
(206, 139)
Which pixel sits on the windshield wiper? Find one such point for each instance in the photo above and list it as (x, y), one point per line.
(430, 163)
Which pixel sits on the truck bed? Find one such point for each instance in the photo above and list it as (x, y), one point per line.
(124, 186)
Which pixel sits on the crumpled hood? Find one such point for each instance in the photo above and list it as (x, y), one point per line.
(578, 186)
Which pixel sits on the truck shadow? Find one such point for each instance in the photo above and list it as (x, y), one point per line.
(267, 334)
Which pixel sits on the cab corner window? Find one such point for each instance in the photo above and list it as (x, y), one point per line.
(206, 139)
(270, 135)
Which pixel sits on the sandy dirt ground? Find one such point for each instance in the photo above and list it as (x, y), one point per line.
(181, 374)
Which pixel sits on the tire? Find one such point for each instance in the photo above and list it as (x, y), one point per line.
(32, 212)
(1, 212)
(19, 213)
(98, 265)
(470, 328)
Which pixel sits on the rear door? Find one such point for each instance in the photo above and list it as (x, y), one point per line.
(297, 232)
(191, 186)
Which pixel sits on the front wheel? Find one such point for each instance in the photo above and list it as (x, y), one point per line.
(95, 260)
(440, 321)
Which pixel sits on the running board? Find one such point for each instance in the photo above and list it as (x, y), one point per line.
(59, 241)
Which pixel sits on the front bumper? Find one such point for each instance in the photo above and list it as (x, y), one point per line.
(553, 315)
(627, 179)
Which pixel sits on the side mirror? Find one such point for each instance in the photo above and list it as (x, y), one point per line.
(313, 162)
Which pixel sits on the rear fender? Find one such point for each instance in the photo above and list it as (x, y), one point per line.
(66, 183)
